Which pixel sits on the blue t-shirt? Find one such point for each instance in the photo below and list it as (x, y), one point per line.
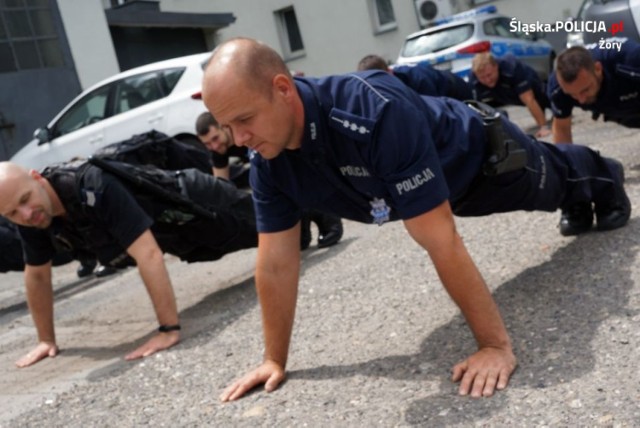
(619, 95)
(514, 79)
(372, 150)
(426, 80)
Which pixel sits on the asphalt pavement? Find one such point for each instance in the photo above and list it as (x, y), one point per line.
(375, 335)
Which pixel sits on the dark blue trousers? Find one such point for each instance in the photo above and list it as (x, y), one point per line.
(556, 176)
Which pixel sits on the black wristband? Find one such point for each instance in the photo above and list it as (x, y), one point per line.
(168, 328)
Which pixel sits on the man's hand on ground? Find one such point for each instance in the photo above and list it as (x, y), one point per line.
(42, 351)
(543, 132)
(157, 343)
(484, 372)
(269, 373)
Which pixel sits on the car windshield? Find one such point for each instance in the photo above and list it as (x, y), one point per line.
(437, 41)
(581, 16)
(90, 109)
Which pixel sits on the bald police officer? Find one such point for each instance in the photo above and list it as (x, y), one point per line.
(365, 147)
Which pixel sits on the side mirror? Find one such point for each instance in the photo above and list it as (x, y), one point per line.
(42, 135)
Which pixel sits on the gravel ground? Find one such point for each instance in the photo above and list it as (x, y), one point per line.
(375, 335)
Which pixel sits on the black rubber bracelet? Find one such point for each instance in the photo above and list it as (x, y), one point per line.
(168, 328)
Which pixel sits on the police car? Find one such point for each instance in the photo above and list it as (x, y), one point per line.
(621, 18)
(451, 43)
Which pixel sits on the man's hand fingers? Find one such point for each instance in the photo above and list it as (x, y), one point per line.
(458, 371)
(484, 372)
(274, 380)
(466, 382)
(503, 379)
(43, 350)
(240, 387)
(269, 373)
(490, 385)
(157, 343)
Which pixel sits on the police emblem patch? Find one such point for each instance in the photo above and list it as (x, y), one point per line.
(380, 211)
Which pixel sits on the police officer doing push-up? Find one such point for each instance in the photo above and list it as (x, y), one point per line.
(604, 80)
(422, 78)
(365, 147)
(220, 143)
(507, 81)
(189, 214)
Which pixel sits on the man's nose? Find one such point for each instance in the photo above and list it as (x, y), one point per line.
(25, 213)
(241, 136)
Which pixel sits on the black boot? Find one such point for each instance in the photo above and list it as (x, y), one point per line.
(616, 212)
(576, 219)
(86, 267)
(330, 229)
(103, 271)
(305, 231)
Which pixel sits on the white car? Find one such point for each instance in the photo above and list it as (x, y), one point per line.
(165, 96)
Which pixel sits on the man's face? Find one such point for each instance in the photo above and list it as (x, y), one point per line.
(488, 75)
(25, 201)
(584, 89)
(216, 140)
(261, 120)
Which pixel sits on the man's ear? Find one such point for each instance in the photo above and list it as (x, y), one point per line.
(597, 68)
(35, 175)
(282, 85)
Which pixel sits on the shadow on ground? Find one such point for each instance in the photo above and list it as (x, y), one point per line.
(212, 315)
(552, 311)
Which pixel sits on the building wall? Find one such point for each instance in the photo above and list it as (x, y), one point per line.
(337, 33)
(89, 40)
(30, 97)
(545, 11)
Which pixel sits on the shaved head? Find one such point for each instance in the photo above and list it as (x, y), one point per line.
(27, 197)
(11, 175)
(250, 91)
(246, 59)
(9, 169)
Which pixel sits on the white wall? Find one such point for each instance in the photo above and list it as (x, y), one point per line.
(89, 39)
(545, 11)
(336, 33)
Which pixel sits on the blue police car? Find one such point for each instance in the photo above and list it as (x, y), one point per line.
(451, 42)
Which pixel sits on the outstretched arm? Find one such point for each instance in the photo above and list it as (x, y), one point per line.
(150, 261)
(222, 172)
(277, 272)
(491, 366)
(561, 128)
(529, 100)
(40, 300)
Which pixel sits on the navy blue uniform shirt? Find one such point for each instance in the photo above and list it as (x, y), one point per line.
(515, 78)
(426, 80)
(619, 95)
(372, 148)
